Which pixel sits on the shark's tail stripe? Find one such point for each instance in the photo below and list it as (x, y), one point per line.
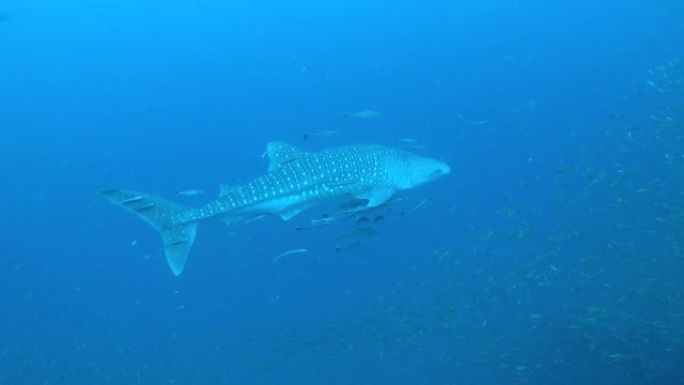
(165, 216)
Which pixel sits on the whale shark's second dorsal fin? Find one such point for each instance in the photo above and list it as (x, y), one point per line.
(227, 189)
(280, 153)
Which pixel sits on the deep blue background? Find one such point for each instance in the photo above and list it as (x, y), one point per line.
(553, 252)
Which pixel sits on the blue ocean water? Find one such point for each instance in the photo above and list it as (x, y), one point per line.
(552, 253)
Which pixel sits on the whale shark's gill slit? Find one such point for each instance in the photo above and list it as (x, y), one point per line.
(108, 190)
(342, 183)
(145, 208)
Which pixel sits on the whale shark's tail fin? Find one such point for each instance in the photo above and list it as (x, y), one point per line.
(173, 221)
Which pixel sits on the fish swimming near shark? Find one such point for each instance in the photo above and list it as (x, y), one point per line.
(363, 114)
(296, 180)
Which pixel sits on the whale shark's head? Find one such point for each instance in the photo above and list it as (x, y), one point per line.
(410, 170)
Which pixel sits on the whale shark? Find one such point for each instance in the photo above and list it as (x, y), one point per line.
(296, 180)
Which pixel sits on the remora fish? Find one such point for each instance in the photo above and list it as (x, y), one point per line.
(363, 114)
(296, 180)
(190, 193)
(320, 135)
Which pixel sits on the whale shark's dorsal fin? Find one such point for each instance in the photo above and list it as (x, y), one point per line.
(280, 153)
(227, 189)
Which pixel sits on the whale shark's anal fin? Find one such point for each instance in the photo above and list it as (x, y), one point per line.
(177, 228)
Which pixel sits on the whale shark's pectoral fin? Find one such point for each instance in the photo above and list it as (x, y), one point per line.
(292, 212)
(376, 196)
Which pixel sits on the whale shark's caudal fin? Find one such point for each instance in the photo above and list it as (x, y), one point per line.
(174, 222)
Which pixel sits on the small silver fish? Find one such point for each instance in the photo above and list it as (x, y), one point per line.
(407, 140)
(363, 114)
(290, 252)
(320, 135)
(190, 193)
